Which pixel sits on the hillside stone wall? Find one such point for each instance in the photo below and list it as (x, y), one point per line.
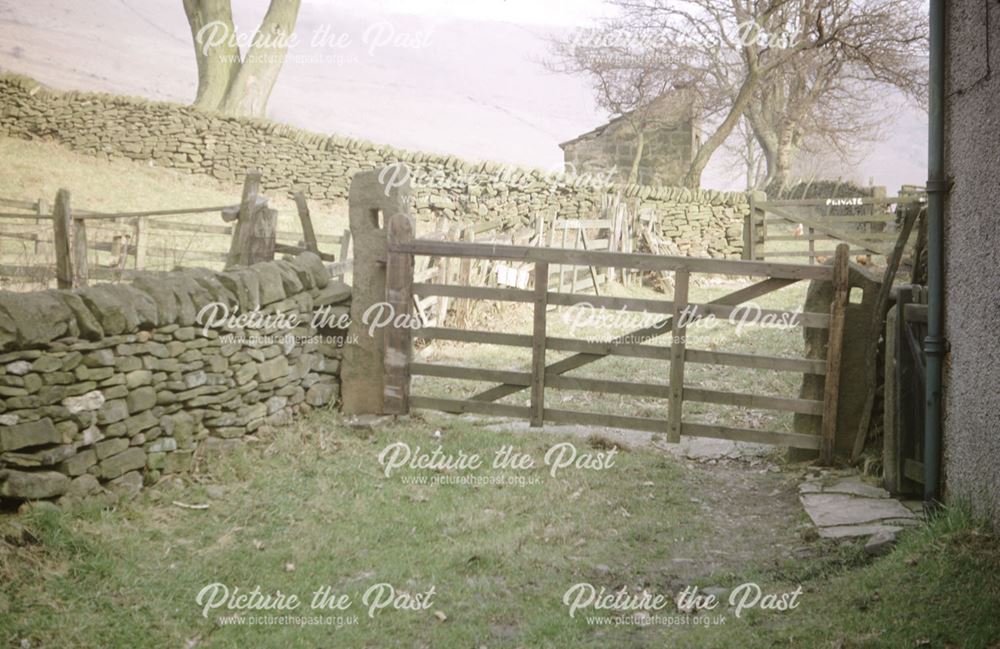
(700, 223)
(107, 388)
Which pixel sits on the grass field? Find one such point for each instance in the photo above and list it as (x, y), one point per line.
(311, 507)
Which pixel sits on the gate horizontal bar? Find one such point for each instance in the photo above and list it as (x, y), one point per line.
(561, 382)
(458, 406)
(471, 373)
(598, 258)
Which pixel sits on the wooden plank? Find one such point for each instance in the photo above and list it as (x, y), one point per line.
(609, 348)
(825, 202)
(62, 228)
(754, 401)
(913, 470)
(241, 234)
(141, 242)
(308, 234)
(97, 216)
(750, 435)
(457, 406)
(654, 390)
(470, 373)
(831, 388)
(295, 250)
(80, 264)
(424, 289)
(398, 339)
(681, 282)
(468, 336)
(191, 227)
(538, 344)
(915, 313)
(601, 258)
(608, 421)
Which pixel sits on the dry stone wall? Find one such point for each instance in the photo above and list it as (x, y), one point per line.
(107, 388)
(701, 223)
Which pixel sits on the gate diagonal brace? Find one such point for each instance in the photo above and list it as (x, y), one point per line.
(663, 326)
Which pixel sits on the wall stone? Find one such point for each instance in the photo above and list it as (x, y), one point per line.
(107, 388)
(701, 223)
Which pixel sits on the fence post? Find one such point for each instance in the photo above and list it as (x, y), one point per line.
(831, 386)
(308, 234)
(80, 266)
(41, 208)
(141, 242)
(749, 236)
(677, 345)
(62, 219)
(248, 202)
(398, 336)
(538, 344)
(362, 371)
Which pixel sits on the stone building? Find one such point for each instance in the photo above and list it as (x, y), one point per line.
(971, 387)
(670, 140)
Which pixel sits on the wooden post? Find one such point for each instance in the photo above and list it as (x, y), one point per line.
(463, 307)
(677, 345)
(41, 208)
(62, 219)
(812, 245)
(831, 387)
(248, 203)
(308, 234)
(749, 236)
(398, 339)
(538, 344)
(141, 242)
(260, 242)
(80, 265)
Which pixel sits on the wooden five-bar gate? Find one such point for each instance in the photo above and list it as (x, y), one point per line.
(401, 290)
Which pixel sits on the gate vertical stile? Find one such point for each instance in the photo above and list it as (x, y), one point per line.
(831, 388)
(538, 344)
(398, 337)
(681, 280)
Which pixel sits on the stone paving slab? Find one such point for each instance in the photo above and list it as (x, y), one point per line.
(851, 508)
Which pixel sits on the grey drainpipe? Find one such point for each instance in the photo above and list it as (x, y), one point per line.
(937, 187)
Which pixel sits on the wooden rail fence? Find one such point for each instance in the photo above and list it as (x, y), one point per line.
(811, 228)
(403, 286)
(81, 246)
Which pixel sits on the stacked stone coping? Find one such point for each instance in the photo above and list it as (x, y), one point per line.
(107, 388)
(700, 223)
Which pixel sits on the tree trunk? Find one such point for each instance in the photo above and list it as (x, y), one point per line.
(640, 139)
(227, 82)
(250, 90)
(692, 179)
(218, 64)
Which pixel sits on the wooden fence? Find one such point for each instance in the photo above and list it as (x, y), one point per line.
(74, 247)
(621, 229)
(402, 288)
(811, 228)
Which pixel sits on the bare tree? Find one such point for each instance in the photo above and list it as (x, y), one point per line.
(227, 81)
(736, 52)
